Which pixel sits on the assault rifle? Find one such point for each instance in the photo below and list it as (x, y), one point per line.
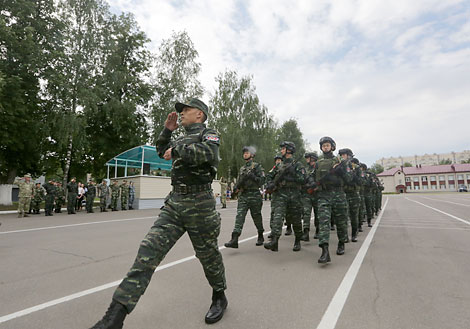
(312, 186)
(273, 186)
(238, 186)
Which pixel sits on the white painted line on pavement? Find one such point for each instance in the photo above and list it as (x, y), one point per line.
(68, 298)
(460, 204)
(336, 305)
(442, 212)
(425, 227)
(79, 224)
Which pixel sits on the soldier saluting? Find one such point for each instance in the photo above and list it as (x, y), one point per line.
(190, 207)
(249, 181)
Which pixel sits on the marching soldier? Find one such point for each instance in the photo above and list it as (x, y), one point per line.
(190, 207)
(368, 196)
(285, 183)
(309, 200)
(250, 179)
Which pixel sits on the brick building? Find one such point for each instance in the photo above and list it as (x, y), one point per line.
(443, 178)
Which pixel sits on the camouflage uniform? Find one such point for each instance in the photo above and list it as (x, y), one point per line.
(124, 195)
(50, 197)
(189, 208)
(332, 202)
(103, 190)
(368, 197)
(353, 196)
(25, 194)
(72, 192)
(309, 201)
(60, 199)
(250, 179)
(287, 197)
(223, 194)
(90, 196)
(38, 197)
(114, 195)
(131, 195)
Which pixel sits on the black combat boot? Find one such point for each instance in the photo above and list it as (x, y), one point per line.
(260, 240)
(360, 229)
(305, 236)
(325, 254)
(354, 237)
(289, 230)
(114, 317)
(296, 244)
(340, 250)
(369, 222)
(233, 243)
(273, 244)
(315, 236)
(218, 306)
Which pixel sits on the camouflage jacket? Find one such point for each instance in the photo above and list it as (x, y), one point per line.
(332, 172)
(90, 190)
(114, 190)
(195, 155)
(38, 194)
(26, 189)
(251, 176)
(51, 189)
(72, 188)
(287, 174)
(124, 190)
(103, 190)
(60, 193)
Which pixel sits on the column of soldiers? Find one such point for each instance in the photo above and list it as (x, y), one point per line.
(339, 189)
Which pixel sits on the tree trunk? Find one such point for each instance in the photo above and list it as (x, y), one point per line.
(11, 175)
(68, 160)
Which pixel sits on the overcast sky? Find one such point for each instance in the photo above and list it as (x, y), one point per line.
(384, 78)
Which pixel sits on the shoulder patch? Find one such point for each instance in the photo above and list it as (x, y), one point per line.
(212, 138)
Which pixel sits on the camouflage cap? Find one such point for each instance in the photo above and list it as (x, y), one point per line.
(194, 103)
(27, 175)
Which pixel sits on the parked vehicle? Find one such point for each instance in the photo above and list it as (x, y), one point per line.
(463, 188)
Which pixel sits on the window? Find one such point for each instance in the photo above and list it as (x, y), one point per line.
(442, 186)
(460, 177)
(424, 178)
(408, 179)
(408, 188)
(415, 179)
(425, 187)
(442, 178)
(468, 176)
(451, 187)
(432, 178)
(416, 187)
(450, 177)
(433, 187)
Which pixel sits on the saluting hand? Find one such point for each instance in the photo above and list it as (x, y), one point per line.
(171, 122)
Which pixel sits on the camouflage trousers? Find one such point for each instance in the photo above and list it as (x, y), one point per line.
(249, 200)
(35, 205)
(309, 202)
(49, 204)
(90, 200)
(378, 201)
(131, 200)
(369, 200)
(223, 199)
(71, 201)
(354, 203)
(58, 204)
(103, 202)
(332, 205)
(124, 202)
(23, 204)
(287, 203)
(192, 213)
(114, 201)
(362, 208)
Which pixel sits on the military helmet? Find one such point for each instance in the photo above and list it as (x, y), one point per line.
(346, 151)
(355, 161)
(249, 149)
(363, 166)
(312, 155)
(330, 140)
(288, 145)
(277, 156)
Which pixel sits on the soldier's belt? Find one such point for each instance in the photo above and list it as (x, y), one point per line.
(188, 189)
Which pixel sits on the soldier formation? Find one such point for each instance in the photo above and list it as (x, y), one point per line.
(31, 196)
(339, 189)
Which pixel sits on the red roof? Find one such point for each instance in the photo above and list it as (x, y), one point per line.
(423, 170)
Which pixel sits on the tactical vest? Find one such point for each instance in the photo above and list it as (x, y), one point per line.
(324, 166)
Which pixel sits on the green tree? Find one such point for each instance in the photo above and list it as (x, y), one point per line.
(407, 164)
(176, 77)
(242, 121)
(117, 121)
(445, 162)
(376, 168)
(28, 29)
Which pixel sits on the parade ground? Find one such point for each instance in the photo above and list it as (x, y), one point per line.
(410, 270)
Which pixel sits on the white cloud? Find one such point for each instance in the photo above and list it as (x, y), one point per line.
(384, 78)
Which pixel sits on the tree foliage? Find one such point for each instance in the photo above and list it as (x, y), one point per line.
(376, 168)
(290, 132)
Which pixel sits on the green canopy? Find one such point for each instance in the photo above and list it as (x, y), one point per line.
(144, 157)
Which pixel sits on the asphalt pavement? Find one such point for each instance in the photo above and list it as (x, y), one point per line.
(410, 270)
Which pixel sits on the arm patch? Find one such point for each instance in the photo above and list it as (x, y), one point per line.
(212, 138)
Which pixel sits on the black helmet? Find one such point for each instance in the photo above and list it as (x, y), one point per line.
(329, 140)
(346, 151)
(249, 149)
(355, 161)
(277, 156)
(363, 166)
(288, 145)
(312, 155)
